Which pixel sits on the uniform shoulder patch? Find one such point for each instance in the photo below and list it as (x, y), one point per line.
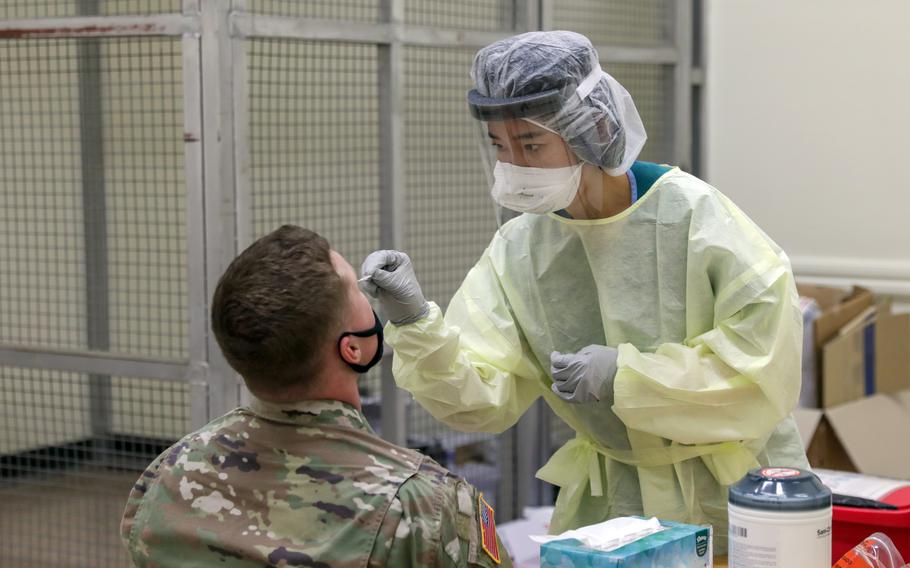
(488, 540)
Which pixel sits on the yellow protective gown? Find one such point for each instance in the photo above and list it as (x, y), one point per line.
(702, 307)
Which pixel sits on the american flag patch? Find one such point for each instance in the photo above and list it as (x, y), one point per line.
(488, 539)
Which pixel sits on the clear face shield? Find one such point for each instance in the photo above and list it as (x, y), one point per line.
(532, 168)
(529, 168)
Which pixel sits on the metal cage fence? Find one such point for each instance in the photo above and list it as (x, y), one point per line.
(619, 22)
(144, 144)
(31, 9)
(63, 478)
(314, 144)
(91, 162)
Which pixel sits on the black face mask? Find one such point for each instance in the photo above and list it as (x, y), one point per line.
(375, 330)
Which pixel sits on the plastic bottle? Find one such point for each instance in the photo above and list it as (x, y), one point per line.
(876, 551)
(780, 517)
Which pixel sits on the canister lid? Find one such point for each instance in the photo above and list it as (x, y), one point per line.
(780, 489)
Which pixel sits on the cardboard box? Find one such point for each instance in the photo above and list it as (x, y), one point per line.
(866, 358)
(838, 308)
(823, 448)
(862, 360)
(868, 435)
(682, 545)
(861, 348)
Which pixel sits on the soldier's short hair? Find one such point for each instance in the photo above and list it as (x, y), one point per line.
(276, 307)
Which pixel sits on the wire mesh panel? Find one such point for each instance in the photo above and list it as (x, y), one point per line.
(30, 9)
(42, 284)
(137, 7)
(92, 257)
(146, 195)
(63, 484)
(91, 164)
(354, 10)
(65, 519)
(450, 220)
(450, 217)
(465, 14)
(476, 457)
(150, 410)
(616, 22)
(651, 87)
(314, 141)
(42, 409)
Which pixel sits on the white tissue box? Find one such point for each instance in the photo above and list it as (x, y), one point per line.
(677, 546)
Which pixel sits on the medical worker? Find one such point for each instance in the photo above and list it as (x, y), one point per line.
(653, 316)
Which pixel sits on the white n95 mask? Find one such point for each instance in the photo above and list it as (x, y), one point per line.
(535, 190)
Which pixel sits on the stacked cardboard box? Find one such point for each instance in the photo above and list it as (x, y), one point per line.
(861, 418)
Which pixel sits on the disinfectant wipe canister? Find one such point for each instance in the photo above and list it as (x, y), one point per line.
(780, 517)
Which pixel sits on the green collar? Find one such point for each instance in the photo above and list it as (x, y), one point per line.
(311, 413)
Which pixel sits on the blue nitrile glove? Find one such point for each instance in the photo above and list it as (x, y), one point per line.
(586, 376)
(390, 278)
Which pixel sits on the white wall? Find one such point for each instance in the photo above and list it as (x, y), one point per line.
(808, 131)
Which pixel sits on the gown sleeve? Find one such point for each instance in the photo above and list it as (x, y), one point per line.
(471, 369)
(741, 376)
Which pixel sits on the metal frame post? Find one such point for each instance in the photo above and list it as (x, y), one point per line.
(682, 81)
(195, 222)
(94, 221)
(527, 15)
(698, 93)
(242, 159)
(219, 183)
(546, 14)
(391, 195)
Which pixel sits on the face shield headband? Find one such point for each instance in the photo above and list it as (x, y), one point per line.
(487, 109)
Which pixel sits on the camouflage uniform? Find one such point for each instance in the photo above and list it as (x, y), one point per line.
(304, 484)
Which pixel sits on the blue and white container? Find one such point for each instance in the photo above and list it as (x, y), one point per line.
(780, 517)
(676, 546)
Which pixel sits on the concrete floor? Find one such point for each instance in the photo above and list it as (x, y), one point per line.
(64, 520)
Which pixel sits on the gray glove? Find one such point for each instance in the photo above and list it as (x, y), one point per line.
(390, 278)
(586, 376)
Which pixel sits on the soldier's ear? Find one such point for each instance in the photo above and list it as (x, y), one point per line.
(349, 349)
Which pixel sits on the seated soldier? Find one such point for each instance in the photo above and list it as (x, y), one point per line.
(299, 478)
